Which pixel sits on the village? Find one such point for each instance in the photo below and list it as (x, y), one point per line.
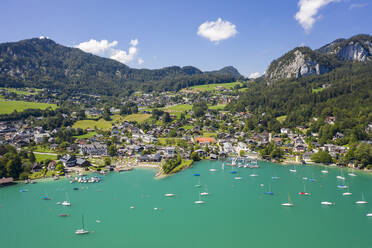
(165, 125)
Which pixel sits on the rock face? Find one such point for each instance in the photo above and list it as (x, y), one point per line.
(299, 62)
(355, 51)
(357, 48)
(302, 61)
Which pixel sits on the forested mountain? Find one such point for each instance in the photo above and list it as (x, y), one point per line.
(345, 93)
(44, 63)
(303, 61)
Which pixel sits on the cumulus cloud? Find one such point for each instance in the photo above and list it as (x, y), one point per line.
(254, 75)
(107, 49)
(217, 31)
(308, 10)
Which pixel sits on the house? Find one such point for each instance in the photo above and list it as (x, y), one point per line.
(36, 168)
(38, 137)
(82, 162)
(52, 165)
(205, 140)
(95, 149)
(307, 157)
(68, 160)
(6, 180)
(337, 136)
(330, 120)
(170, 152)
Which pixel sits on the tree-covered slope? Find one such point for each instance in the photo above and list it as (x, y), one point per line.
(44, 63)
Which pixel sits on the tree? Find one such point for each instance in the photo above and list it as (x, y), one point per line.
(195, 156)
(112, 150)
(166, 117)
(363, 154)
(107, 161)
(199, 108)
(32, 157)
(321, 157)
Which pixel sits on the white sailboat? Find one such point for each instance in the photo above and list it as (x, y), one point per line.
(66, 202)
(223, 166)
(341, 177)
(369, 215)
(352, 174)
(199, 201)
(289, 203)
(170, 195)
(205, 193)
(293, 170)
(362, 201)
(82, 231)
(327, 203)
(238, 178)
(324, 171)
(347, 192)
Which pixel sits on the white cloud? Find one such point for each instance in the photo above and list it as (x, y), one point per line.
(107, 49)
(308, 10)
(140, 61)
(254, 75)
(217, 31)
(134, 42)
(357, 5)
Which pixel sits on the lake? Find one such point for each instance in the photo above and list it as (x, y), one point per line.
(237, 213)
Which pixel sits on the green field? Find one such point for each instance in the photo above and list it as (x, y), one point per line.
(281, 119)
(167, 141)
(210, 87)
(217, 107)
(26, 92)
(100, 124)
(317, 90)
(42, 157)
(177, 110)
(87, 135)
(7, 107)
(140, 118)
(207, 134)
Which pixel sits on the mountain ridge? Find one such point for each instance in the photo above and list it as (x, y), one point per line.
(43, 63)
(303, 61)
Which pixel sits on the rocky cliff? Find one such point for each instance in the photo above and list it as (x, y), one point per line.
(303, 61)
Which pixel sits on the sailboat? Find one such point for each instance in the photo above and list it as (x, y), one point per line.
(198, 185)
(169, 195)
(369, 215)
(293, 170)
(347, 192)
(289, 203)
(67, 202)
(327, 203)
(324, 171)
(269, 192)
(223, 166)
(341, 177)
(199, 201)
(205, 193)
(304, 192)
(82, 231)
(362, 201)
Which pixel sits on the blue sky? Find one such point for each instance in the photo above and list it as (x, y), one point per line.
(152, 34)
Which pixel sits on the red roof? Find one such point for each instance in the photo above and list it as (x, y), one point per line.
(205, 140)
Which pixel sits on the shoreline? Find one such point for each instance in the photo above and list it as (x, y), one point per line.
(161, 175)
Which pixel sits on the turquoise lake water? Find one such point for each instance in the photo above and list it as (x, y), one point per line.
(237, 213)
